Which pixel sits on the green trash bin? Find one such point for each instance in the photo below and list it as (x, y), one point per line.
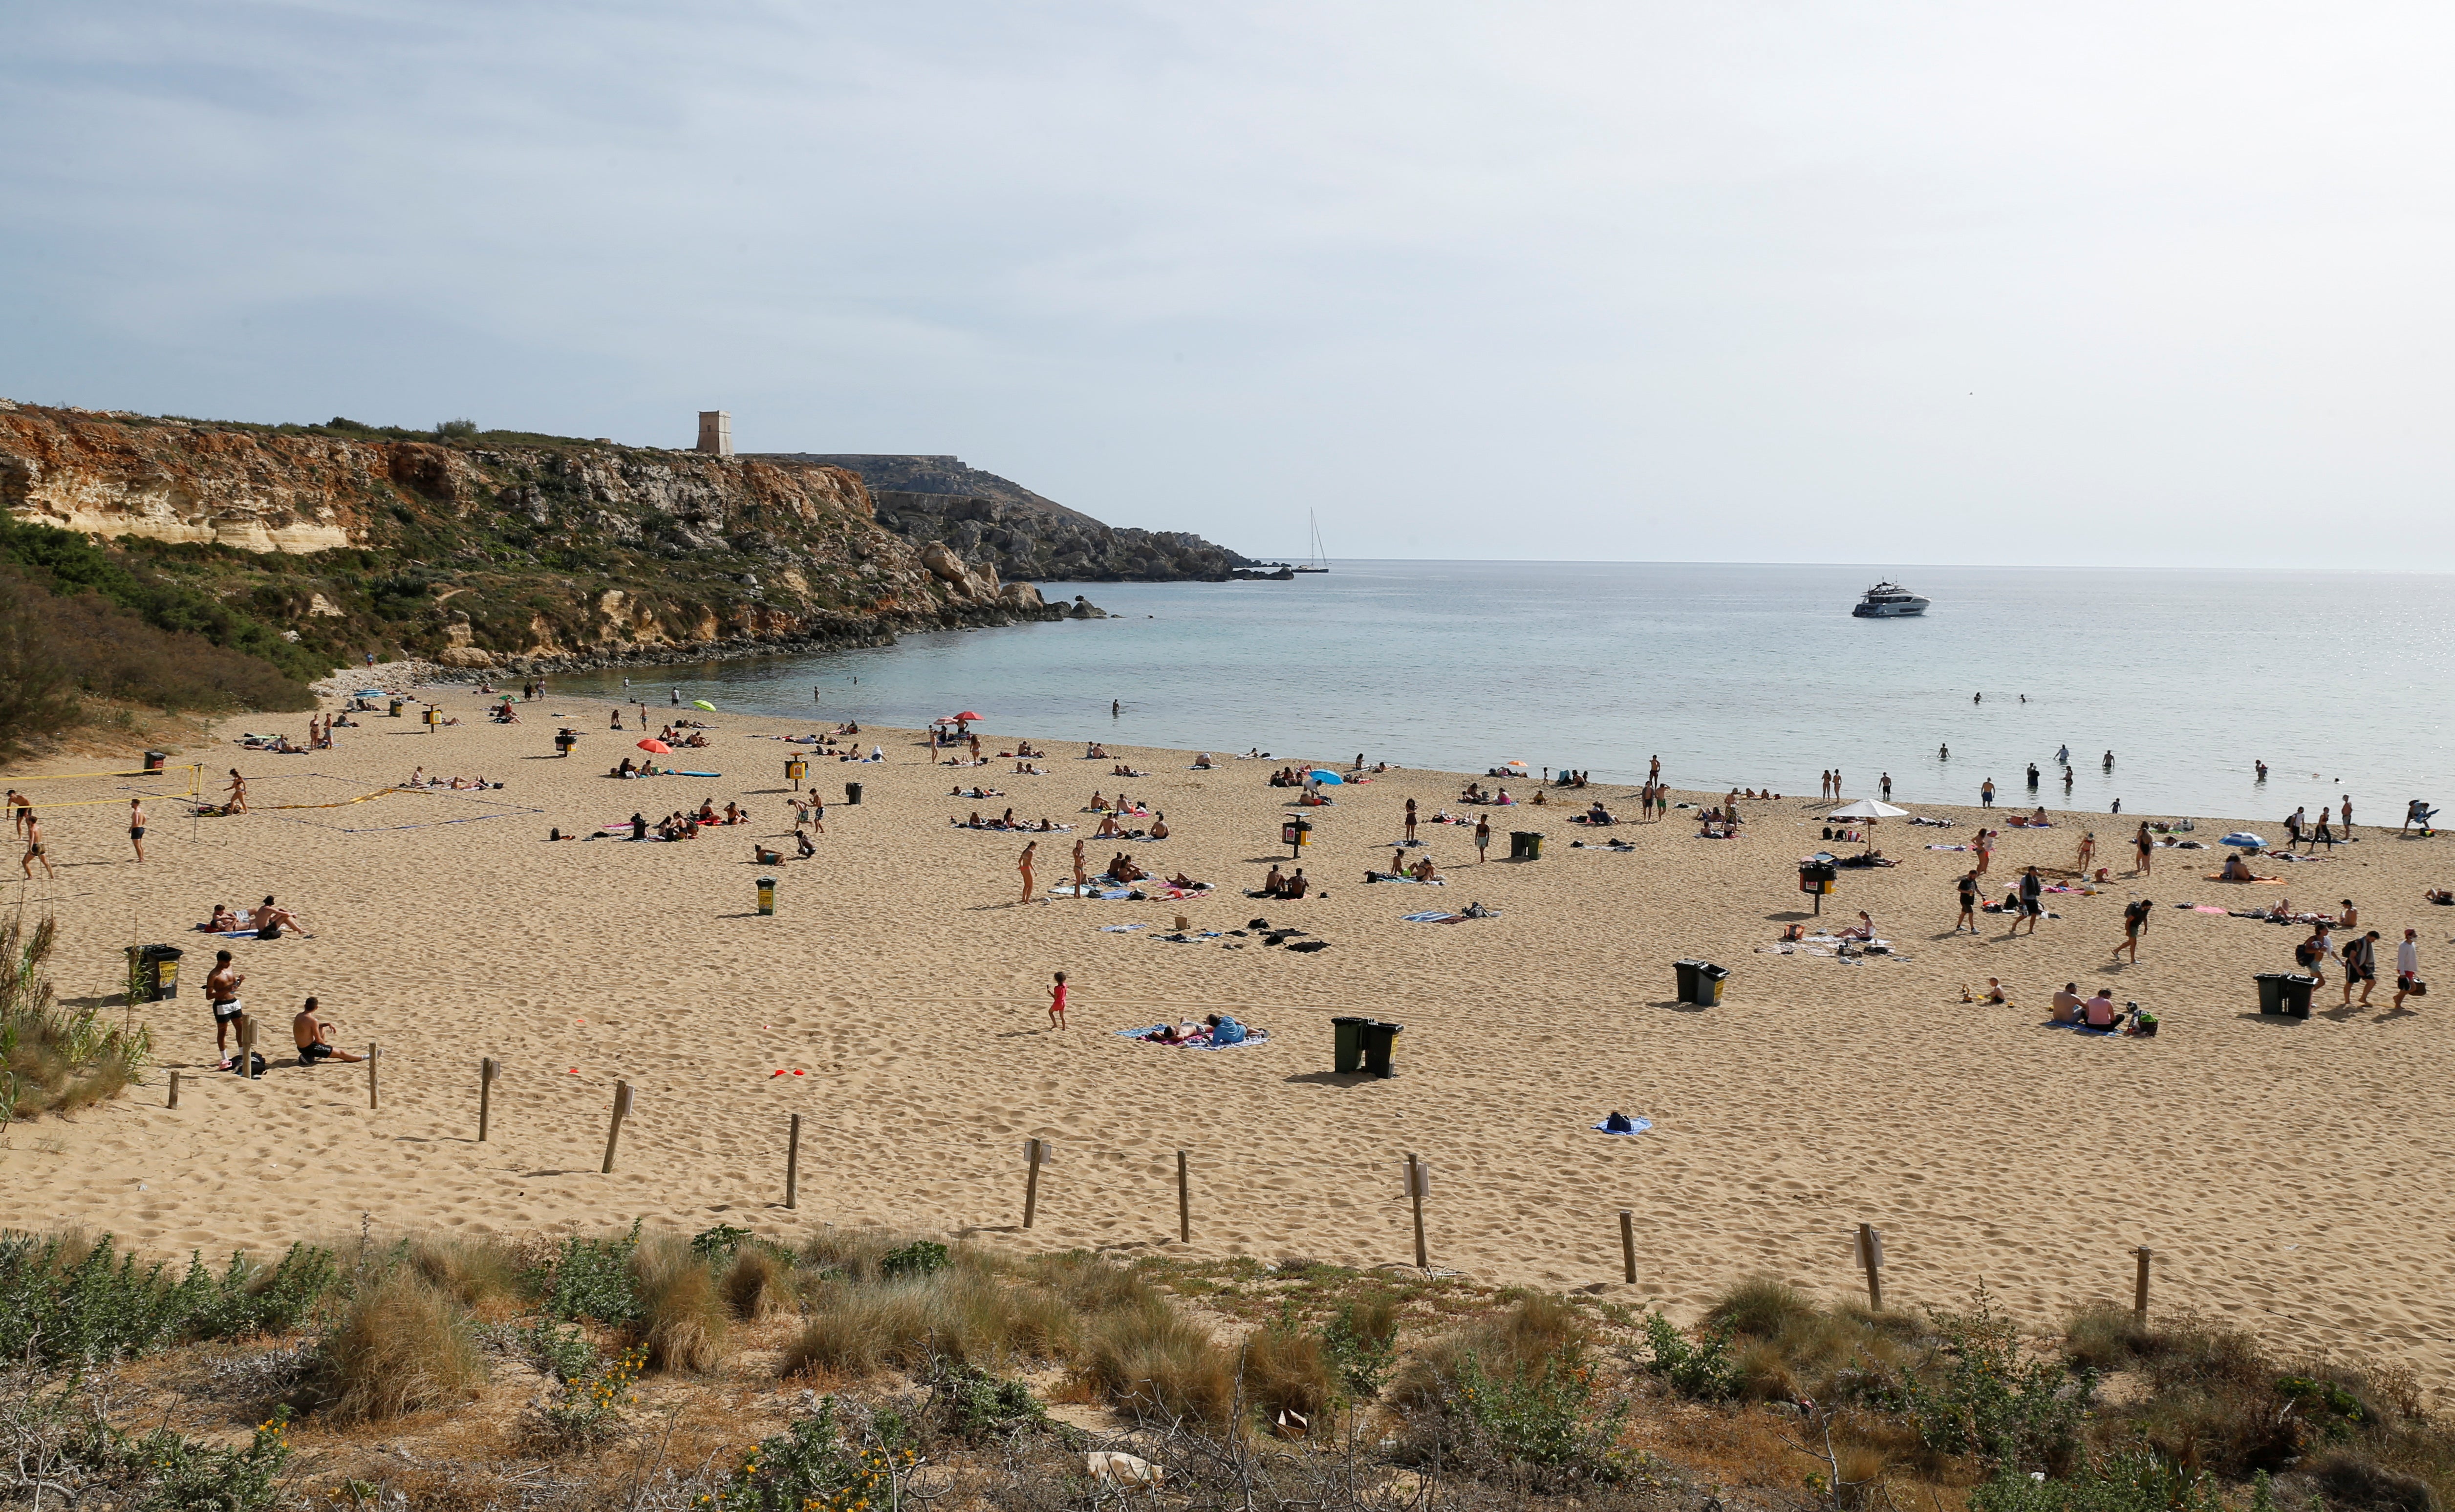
(1379, 1040)
(1524, 845)
(155, 972)
(1347, 1053)
(2271, 991)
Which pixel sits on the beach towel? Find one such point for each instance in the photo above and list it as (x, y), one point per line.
(1120, 929)
(2205, 908)
(1435, 917)
(1641, 1125)
(1249, 1035)
(1066, 890)
(2219, 877)
(698, 774)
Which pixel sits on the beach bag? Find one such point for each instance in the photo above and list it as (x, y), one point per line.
(2417, 987)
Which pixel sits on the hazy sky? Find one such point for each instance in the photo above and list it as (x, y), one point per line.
(1878, 283)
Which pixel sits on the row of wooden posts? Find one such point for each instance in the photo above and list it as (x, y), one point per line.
(1037, 1153)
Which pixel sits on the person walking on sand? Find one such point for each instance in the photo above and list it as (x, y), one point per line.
(1482, 837)
(1968, 903)
(1057, 1003)
(238, 792)
(2360, 962)
(2146, 849)
(2087, 853)
(1410, 821)
(221, 995)
(1082, 886)
(1023, 864)
(2134, 920)
(2407, 967)
(35, 850)
(2322, 834)
(136, 826)
(2293, 823)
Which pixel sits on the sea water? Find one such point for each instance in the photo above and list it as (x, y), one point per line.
(1734, 675)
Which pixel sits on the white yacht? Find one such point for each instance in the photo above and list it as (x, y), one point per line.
(1890, 601)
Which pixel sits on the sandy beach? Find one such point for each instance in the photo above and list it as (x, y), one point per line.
(2286, 1172)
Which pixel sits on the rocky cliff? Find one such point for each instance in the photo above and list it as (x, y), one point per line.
(492, 547)
(989, 518)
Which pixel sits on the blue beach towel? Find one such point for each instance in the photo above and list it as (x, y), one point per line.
(1641, 1125)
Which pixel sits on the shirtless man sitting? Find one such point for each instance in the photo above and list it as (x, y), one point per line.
(2235, 871)
(270, 921)
(2067, 1004)
(314, 1037)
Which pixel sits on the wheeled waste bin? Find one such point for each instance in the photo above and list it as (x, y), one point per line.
(1524, 845)
(1346, 1052)
(1379, 1040)
(1687, 970)
(2297, 993)
(2271, 991)
(852, 792)
(1709, 983)
(154, 971)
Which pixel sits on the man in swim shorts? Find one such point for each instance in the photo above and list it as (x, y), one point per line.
(221, 995)
(269, 920)
(34, 849)
(314, 1038)
(136, 826)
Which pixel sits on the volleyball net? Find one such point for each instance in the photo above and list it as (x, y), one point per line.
(183, 783)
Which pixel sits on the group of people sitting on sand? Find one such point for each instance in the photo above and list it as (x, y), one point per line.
(1094, 750)
(418, 778)
(1122, 806)
(2093, 1012)
(1122, 770)
(1476, 793)
(1110, 830)
(975, 791)
(1214, 1029)
(638, 769)
(267, 918)
(1423, 870)
(1286, 778)
(1004, 821)
(1276, 885)
(1596, 814)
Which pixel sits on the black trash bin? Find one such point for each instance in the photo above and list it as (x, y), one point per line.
(1524, 845)
(154, 760)
(1709, 983)
(154, 971)
(2271, 991)
(1379, 1040)
(1687, 970)
(2297, 993)
(852, 792)
(1347, 1053)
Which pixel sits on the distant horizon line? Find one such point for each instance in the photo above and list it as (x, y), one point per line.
(1862, 567)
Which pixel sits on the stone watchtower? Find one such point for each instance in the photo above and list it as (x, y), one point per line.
(715, 433)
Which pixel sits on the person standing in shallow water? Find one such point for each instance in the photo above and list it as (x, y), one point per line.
(1887, 785)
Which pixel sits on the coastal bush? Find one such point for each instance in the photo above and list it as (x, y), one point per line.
(1783, 1346)
(1362, 1345)
(64, 564)
(758, 1282)
(582, 1411)
(248, 1299)
(54, 1059)
(958, 1316)
(1700, 1369)
(1982, 1394)
(972, 1406)
(2129, 1480)
(1534, 1331)
(685, 1324)
(817, 1465)
(590, 1280)
(401, 1345)
(1288, 1368)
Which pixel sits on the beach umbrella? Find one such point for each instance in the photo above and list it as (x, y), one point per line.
(656, 748)
(1867, 808)
(967, 717)
(702, 703)
(1324, 776)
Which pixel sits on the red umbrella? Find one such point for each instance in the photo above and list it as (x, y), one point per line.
(967, 716)
(658, 747)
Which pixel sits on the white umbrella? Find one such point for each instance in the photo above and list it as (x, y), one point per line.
(1867, 808)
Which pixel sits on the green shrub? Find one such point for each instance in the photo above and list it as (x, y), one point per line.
(1982, 1394)
(246, 1298)
(720, 1244)
(585, 1410)
(564, 1351)
(1544, 1417)
(1702, 1369)
(590, 1280)
(920, 1258)
(814, 1466)
(2131, 1481)
(63, 1301)
(55, 1060)
(972, 1406)
(1363, 1343)
(183, 1475)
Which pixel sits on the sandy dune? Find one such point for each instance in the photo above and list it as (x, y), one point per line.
(2288, 1173)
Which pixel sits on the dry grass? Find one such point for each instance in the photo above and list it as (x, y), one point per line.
(1152, 1363)
(484, 1274)
(402, 1345)
(758, 1284)
(1287, 1369)
(1512, 1345)
(962, 1315)
(684, 1321)
(53, 1058)
(1787, 1347)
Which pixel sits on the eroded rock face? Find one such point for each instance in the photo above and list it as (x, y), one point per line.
(565, 551)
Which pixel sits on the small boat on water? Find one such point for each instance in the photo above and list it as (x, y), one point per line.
(1320, 562)
(1889, 601)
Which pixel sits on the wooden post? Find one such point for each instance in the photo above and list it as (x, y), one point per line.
(1415, 1184)
(1032, 1151)
(1871, 1255)
(374, 1053)
(488, 1069)
(1184, 1203)
(1627, 1245)
(2140, 1287)
(247, 1047)
(175, 1089)
(793, 1163)
(614, 1135)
